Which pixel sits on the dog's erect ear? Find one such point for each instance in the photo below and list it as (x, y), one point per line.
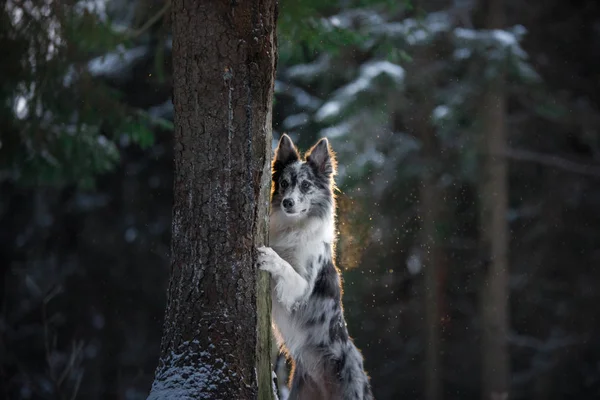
(286, 153)
(322, 158)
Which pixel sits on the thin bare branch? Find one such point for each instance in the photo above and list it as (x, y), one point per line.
(77, 385)
(553, 162)
(154, 19)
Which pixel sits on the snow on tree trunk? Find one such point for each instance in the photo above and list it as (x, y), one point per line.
(216, 338)
(494, 231)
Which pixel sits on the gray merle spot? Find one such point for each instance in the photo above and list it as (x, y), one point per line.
(327, 283)
(337, 329)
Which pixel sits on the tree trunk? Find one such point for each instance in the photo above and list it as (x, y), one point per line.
(430, 213)
(216, 338)
(494, 232)
(430, 201)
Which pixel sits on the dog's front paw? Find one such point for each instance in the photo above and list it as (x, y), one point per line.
(267, 259)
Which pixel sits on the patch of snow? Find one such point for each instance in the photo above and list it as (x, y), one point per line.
(335, 21)
(519, 31)
(504, 37)
(296, 120)
(183, 379)
(501, 41)
(508, 40)
(440, 112)
(308, 72)
(21, 108)
(15, 13)
(120, 27)
(526, 71)
(462, 53)
(22, 102)
(420, 35)
(103, 141)
(354, 17)
(465, 34)
(164, 110)
(69, 76)
(40, 11)
(346, 94)
(338, 130)
(416, 32)
(370, 71)
(328, 110)
(116, 63)
(438, 22)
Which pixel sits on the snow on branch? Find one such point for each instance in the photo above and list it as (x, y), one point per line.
(369, 72)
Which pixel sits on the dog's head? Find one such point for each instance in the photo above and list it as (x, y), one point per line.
(303, 188)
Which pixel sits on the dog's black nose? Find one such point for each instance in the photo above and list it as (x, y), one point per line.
(288, 203)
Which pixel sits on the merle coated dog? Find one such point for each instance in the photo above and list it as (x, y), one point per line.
(307, 294)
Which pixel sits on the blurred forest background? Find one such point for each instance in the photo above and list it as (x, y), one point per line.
(409, 93)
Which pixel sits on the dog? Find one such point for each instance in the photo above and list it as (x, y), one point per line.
(308, 317)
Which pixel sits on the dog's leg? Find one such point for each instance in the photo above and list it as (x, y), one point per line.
(303, 387)
(290, 287)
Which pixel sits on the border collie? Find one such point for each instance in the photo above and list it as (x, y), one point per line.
(306, 286)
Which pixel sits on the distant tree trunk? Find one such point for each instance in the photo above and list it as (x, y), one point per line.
(494, 231)
(430, 202)
(216, 338)
(430, 207)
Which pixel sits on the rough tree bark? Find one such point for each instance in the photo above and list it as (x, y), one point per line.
(494, 231)
(216, 338)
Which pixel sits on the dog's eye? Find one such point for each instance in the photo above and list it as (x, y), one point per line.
(305, 185)
(284, 184)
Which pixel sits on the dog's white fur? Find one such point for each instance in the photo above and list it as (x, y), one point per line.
(292, 245)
